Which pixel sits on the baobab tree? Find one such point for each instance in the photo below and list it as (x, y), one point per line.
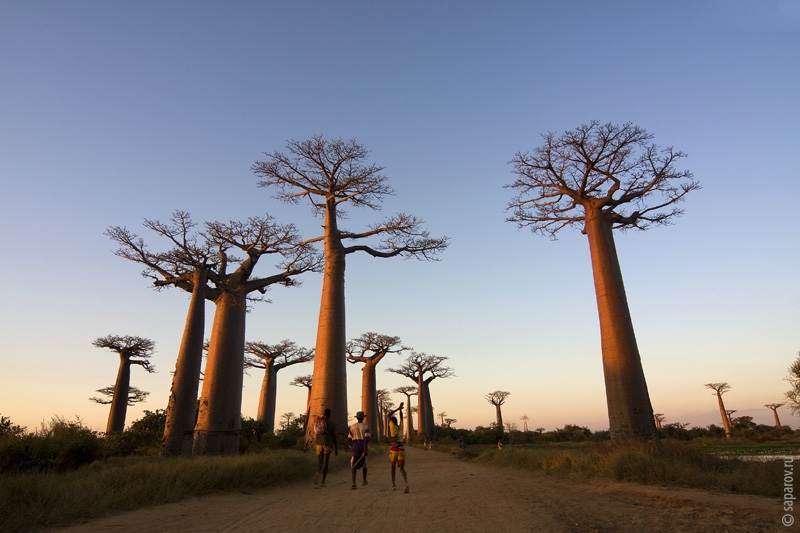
(441, 417)
(600, 178)
(331, 175)
(422, 369)
(659, 418)
(524, 419)
(385, 404)
(135, 395)
(450, 421)
(131, 350)
(186, 265)
(219, 417)
(369, 349)
(498, 398)
(774, 408)
(271, 358)
(720, 389)
(304, 381)
(408, 391)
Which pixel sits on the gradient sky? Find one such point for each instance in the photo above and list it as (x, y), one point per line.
(113, 112)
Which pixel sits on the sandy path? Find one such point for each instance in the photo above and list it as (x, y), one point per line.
(450, 495)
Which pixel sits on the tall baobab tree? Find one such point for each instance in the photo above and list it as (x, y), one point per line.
(331, 175)
(720, 389)
(219, 417)
(385, 405)
(498, 398)
(131, 350)
(369, 349)
(441, 417)
(774, 408)
(600, 178)
(525, 419)
(408, 391)
(659, 418)
(135, 395)
(271, 358)
(423, 369)
(304, 381)
(186, 265)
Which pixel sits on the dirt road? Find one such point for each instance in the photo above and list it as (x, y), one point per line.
(450, 495)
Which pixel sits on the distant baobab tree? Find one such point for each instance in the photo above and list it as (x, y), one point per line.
(600, 178)
(450, 421)
(131, 350)
(793, 394)
(720, 389)
(385, 404)
(369, 349)
(524, 419)
(659, 418)
(498, 398)
(304, 381)
(422, 369)
(135, 395)
(330, 175)
(408, 391)
(271, 358)
(774, 408)
(441, 416)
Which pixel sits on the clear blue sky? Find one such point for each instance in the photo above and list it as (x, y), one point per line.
(112, 112)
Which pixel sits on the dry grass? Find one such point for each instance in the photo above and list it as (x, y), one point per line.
(35, 500)
(666, 463)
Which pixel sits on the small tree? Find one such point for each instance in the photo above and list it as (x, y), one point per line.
(304, 381)
(600, 178)
(498, 398)
(131, 350)
(271, 358)
(450, 421)
(408, 391)
(720, 389)
(774, 408)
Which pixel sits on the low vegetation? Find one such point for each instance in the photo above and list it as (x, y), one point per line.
(65, 473)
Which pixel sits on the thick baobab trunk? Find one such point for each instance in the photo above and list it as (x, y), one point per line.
(777, 420)
(119, 402)
(182, 407)
(219, 418)
(369, 397)
(269, 395)
(630, 413)
(427, 417)
(499, 417)
(726, 423)
(409, 421)
(329, 379)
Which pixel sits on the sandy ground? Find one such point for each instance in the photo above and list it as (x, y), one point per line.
(450, 495)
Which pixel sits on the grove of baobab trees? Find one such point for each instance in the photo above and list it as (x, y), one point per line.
(602, 177)
(195, 261)
(369, 349)
(132, 350)
(271, 358)
(330, 175)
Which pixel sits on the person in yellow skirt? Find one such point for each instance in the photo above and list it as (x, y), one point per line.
(397, 452)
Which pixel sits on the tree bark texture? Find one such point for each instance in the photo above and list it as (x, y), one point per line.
(499, 417)
(726, 424)
(182, 406)
(329, 379)
(119, 402)
(630, 413)
(269, 395)
(219, 418)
